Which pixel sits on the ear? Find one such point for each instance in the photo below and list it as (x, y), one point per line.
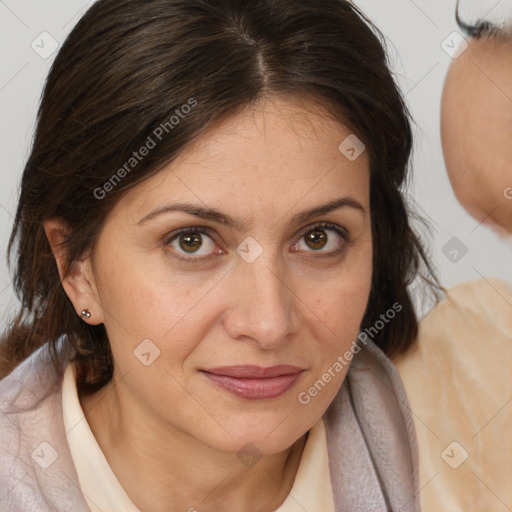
(79, 283)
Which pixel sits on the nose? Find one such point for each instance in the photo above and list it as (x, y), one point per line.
(262, 306)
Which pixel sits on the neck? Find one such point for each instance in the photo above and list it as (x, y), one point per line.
(187, 474)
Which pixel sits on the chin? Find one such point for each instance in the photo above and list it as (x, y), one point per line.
(506, 236)
(267, 436)
(504, 232)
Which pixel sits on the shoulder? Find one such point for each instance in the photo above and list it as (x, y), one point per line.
(32, 381)
(27, 400)
(457, 378)
(475, 319)
(33, 448)
(370, 424)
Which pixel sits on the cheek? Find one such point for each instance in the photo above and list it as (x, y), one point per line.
(141, 300)
(338, 316)
(139, 289)
(335, 319)
(342, 306)
(341, 301)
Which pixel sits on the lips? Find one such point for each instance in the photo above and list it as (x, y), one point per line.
(254, 382)
(254, 372)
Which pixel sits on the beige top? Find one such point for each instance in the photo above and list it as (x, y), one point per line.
(311, 489)
(459, 384)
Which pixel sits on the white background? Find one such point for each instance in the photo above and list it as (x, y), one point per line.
(415, 31)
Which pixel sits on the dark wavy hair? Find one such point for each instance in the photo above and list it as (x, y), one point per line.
(480, 29)
(130, 64)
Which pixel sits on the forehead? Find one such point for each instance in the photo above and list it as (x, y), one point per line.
(268, 128)
(277, 152)
(482, 75)
(261, 165)
(477, 101)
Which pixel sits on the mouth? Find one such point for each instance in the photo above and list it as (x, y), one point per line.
(254, 382)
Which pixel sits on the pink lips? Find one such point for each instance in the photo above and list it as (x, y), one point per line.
(254, 382)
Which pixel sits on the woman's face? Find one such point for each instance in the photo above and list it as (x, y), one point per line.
(269, 283)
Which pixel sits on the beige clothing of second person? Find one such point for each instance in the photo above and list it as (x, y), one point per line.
(311, 489)
(458, 381)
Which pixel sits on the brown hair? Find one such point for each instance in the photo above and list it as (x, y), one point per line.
(126, 67)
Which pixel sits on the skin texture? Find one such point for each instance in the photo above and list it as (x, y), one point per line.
(476, 130)
(292, 305)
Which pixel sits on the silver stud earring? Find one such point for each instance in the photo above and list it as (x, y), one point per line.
(86, 313)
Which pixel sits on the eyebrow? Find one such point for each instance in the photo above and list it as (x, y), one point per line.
(214, 215)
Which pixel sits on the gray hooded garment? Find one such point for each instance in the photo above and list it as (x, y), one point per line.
(370, 435)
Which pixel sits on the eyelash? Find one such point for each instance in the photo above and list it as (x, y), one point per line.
(206, 231)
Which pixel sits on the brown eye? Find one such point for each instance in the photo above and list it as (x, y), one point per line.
(316, 239)
(326, 239)
(190, 242)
